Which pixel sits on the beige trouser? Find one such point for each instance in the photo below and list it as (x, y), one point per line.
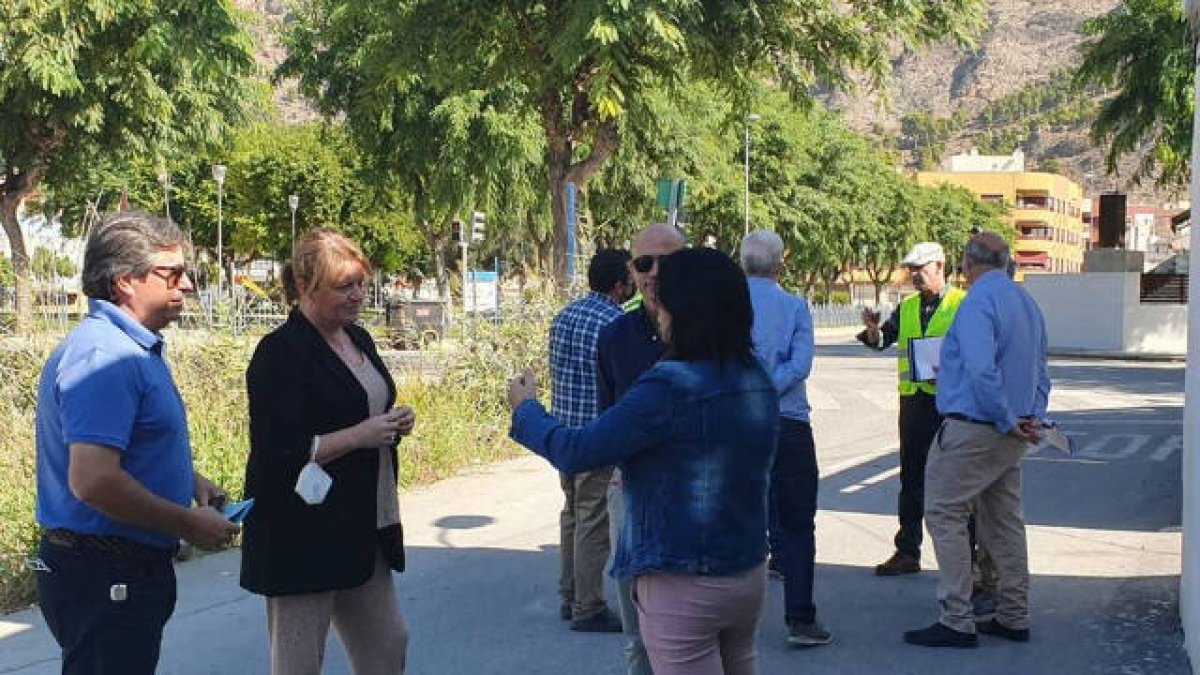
(583, 541)
(974, 464)
(367, 620)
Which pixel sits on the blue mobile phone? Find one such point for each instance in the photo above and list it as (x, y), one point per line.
(236, 513)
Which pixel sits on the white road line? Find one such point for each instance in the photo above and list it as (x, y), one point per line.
(1167, 448)
(1135, 422)
(856, 460)
(1099, 448)
(882, 476)
(877, 478)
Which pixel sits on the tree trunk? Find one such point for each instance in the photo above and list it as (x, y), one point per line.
(562, 136)
(9, 204)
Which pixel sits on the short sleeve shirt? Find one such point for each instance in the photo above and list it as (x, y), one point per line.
(108, 384)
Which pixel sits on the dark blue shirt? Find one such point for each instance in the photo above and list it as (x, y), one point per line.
(694, 442)
(108, 384)
(627, 348)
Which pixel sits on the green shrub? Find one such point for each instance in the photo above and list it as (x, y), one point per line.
(462, 418)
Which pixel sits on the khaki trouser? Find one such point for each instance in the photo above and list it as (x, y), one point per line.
(583, 541)
(366, 618)
(974, 464)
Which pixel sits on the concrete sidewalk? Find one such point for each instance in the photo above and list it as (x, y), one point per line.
(480, 593)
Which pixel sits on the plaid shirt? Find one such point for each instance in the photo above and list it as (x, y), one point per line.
(573, 336)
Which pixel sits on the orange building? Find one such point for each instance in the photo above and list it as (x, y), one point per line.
(1044, 208)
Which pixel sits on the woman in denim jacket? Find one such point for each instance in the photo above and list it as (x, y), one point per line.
(694, 438)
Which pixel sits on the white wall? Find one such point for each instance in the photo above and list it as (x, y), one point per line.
(1101, 312)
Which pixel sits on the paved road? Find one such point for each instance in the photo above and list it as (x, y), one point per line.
(480, 593)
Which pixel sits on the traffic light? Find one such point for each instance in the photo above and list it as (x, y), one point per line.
(478, 225)
(456, 231)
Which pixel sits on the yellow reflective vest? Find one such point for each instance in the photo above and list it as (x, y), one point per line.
(910, 328)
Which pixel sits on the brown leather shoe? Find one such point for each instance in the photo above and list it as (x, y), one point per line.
(899, 563)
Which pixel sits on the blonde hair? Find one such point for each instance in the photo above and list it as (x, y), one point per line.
(318, 259)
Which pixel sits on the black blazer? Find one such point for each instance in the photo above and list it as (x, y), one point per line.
(298, 388)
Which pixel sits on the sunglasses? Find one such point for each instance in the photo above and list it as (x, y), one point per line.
(645, 263)
(172, 274)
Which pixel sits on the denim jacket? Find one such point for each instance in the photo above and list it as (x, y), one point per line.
(695, 442)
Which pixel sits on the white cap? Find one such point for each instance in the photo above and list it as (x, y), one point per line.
(924, 253)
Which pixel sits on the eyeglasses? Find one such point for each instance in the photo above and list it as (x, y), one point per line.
(172, 274)
(645, 263)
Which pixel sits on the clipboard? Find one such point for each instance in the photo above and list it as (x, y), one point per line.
(924, 357)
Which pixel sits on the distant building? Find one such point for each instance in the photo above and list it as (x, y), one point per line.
(1044, 208)
(1150, 228)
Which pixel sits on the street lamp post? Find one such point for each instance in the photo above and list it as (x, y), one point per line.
(218, 172)
(752, 117)
(1189, 595)
(293, 204)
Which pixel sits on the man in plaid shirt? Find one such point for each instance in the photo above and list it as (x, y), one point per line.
(584, 520)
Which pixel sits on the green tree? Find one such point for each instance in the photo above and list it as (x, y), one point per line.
(949, 213)
(451, 152)
(584, 67)
(1146, 52)
(82, 82)
(46, 264)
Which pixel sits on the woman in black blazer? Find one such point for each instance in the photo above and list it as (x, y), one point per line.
(318, 390)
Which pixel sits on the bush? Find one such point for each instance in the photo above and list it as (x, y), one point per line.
(462, 418)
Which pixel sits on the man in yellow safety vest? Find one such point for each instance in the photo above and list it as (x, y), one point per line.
(924, 314)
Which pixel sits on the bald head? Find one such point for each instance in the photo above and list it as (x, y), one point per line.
(650, 244)
(657, 239)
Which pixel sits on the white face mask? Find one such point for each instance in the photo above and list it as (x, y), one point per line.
(313, 483)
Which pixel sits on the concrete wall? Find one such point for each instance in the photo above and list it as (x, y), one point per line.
(1102, 313)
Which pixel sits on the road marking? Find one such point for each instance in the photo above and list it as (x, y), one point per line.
(1167, 448)
(1072, 423)
(882, 476)
(1123, 446)
(877, 478)
(856, 460)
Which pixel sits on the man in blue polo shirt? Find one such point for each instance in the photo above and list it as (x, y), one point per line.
(114, 466)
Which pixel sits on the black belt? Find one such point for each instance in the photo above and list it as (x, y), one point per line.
(118, 547)
(970, 420)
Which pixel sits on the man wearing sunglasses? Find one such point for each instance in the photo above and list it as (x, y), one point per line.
(114, 463)
(627, 348)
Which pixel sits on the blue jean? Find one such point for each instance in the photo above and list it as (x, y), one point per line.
(635, 648)
(99, 632)
(793, 511)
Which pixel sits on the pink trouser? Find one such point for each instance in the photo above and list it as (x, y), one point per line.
(696, 625)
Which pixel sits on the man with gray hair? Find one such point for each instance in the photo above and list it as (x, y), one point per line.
(114, 464)
(783, 342)
(993, 389)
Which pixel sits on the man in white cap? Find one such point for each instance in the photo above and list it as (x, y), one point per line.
(926, 313)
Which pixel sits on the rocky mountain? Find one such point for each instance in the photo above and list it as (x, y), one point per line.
(1009, 91)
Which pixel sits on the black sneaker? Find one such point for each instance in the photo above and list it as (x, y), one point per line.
(941, 635)
(805, 634)
(999, 630)
(899, 563)
(603, 621)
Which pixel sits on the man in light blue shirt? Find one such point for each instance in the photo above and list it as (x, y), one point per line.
(993, 387)
(783, 341)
